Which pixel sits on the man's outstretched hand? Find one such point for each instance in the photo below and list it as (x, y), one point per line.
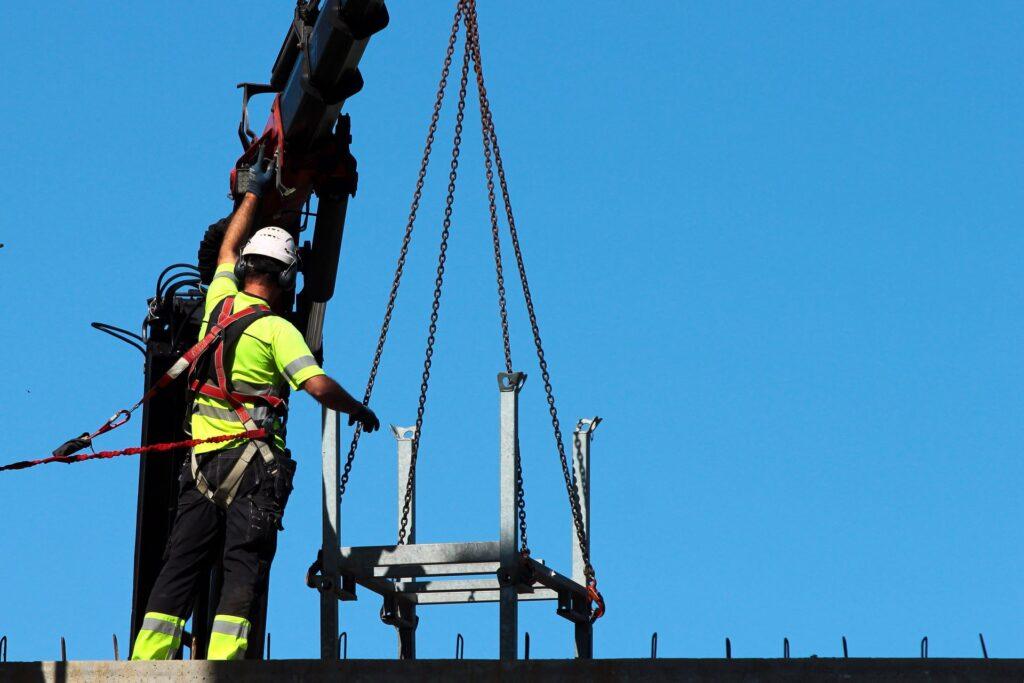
(366, 418)
(332, 395)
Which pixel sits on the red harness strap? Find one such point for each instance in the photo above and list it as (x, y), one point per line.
(189, 359)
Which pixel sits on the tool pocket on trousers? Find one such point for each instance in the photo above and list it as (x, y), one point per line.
(263, 522)
(283, 480)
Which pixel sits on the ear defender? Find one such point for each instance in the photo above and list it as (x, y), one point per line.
(286, 278)
(241, 270)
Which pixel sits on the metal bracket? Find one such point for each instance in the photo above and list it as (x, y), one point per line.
(511, 381)
(588, 425)
(404, 433)
(346, 592)
(391, 614)
(245, 133)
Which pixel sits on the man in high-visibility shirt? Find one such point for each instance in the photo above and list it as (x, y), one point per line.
(233, 494)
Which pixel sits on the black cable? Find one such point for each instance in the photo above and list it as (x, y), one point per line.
(121, 335)
(163, 273)
(174, 279)
(174, 284)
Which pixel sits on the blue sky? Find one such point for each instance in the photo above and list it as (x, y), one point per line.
(775, 246)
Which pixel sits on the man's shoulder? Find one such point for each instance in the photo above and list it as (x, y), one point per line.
(270, 325)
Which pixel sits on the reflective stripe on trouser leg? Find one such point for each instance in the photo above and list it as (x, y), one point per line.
(159, 637)
(229, 638)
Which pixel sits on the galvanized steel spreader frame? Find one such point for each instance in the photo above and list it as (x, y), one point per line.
(408, 574)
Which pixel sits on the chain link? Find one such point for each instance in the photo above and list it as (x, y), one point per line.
(574, 500)
(473, 38)
(404, 252)
(436, 304)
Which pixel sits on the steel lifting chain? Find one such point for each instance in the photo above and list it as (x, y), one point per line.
(417, 194)
(574, 500)
(473, 40)
(438, 284)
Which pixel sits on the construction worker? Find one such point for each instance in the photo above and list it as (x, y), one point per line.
(233, 494)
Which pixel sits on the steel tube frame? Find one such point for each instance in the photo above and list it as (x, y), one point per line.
(583, 435)
(503, 574)
(509, 386)
(330, 451)
(406, 610)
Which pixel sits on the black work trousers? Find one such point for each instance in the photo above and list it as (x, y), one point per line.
(243, 537)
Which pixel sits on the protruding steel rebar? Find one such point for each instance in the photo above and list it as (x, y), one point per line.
(63, 650)
(526, 646)
(117, 652)
(924, 648)
(343, 645)
(654, 645)
(268, 645)
(3, 649)
(728, 649)
(192, 650)
(785, 648)
(846, 652)
(984, 650)
(460, 646)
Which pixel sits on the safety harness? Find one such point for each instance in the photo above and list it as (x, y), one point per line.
(211, 377)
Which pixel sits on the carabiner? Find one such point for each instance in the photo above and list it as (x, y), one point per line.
(115, 421)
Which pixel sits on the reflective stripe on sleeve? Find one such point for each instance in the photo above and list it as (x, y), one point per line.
(298, 364)
(226, 274)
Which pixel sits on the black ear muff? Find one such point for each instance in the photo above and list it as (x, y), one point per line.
(241, 270)
(286, 278)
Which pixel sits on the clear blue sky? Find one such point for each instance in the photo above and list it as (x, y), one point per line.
(777, 247)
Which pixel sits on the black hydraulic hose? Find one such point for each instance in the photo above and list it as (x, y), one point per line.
(121, 334)
(165, 271)
(170, 282)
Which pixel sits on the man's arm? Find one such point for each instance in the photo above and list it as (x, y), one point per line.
(238, 229)
(332, 395)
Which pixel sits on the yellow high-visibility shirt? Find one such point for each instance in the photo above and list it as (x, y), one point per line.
(270, 353)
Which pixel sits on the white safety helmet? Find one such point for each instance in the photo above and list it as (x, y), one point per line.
(275, 243)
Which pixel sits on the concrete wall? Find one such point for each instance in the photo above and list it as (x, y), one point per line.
(475, 671)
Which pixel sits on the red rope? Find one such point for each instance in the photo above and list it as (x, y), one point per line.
(159, 447)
